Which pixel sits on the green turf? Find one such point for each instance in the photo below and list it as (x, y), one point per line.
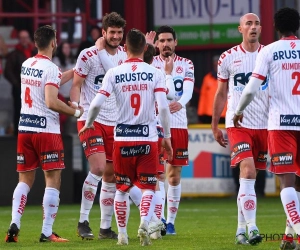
(207, 223)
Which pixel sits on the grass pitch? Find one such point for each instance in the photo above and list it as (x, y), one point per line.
(204, 223)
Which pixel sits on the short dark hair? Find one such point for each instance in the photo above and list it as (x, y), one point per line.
(149, 54)
(113, 19)
(165, 29)
(135, 41)
(286, 20)
(43, 36)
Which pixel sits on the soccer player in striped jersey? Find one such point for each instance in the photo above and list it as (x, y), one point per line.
(98, 143)
(183, 78)
(248, 144)
(136, 85)
(39, 139)
(280, 60)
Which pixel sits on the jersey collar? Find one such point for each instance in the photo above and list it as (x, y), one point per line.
(134, 60)
(290, 38)
(42, 56)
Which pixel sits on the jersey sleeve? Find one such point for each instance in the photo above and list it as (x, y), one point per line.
(53, 76)
(189, 72)
(82, 66)
(223, 74)
(261, 64)
(160, 84)
(108, 83)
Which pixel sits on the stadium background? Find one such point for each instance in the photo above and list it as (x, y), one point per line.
(204, 28)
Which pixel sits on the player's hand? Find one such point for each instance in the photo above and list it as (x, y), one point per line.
(150, 36)
(74, 105)
(100, 43)
(169, 65)
(218, 134)
(81, 110)
(237, 119)
(85, 128)
(174, 107)
(167, 146)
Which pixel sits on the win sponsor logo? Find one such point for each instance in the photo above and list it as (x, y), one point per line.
(96, 141)
(122, 179)
(52, 156)
(149, 179)
(239, 148)
(282, 159)
(20, 158)
(181, 153)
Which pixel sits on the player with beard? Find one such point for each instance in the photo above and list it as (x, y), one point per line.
(39, 139)
(183, 77)
(98, 143)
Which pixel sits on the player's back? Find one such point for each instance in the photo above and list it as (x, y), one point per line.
(283, 65)
(134, 84)
(36, 73)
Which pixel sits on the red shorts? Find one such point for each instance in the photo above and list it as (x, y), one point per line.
(179, 140)
(284, 152)
(248, 143)
(161, 160)
(135, 164)
(35, 149)
(98, 140)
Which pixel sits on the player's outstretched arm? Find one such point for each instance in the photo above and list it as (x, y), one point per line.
(66, 76)
(164, 116)
(248, 94)
(53, 103)
(102, 54)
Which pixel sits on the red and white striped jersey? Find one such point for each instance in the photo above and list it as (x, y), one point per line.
(36, 73)
(281, 62)
(235, 67)
(183, 73)
(134, 84)
(89, 66)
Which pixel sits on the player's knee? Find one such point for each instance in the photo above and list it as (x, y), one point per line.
(174, 180)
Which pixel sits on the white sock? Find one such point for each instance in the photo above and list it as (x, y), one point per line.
(19, 203)
(289, 229)
(147, 206)
(290, 204)
(173, 200)
(248, 202)
(163, 197)
(89, 190)
(122, 210)
(135, 195)
(158, 204)
(242, 224)
(50, 205)
(106, 200)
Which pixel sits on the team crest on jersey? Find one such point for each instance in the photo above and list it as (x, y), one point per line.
(179, 69)
(134, 67)
(293, 45)
(120, 62)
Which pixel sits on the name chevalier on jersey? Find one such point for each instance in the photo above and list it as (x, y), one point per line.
(287, 54)
(131, 77)
(25, 71)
